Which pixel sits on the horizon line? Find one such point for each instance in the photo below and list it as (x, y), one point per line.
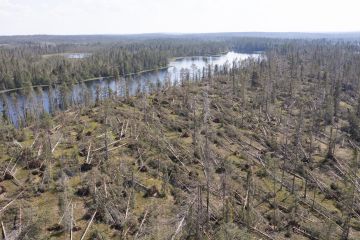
(183, 33)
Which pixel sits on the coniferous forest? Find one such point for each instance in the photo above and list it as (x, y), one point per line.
(260, 148)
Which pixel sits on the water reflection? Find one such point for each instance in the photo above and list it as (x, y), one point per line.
(18, 105)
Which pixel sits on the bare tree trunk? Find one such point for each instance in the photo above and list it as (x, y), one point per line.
(3, 231)
(88, 226)
(199, 212)
(72, 220)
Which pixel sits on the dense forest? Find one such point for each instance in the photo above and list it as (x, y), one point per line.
(41, 63)
(45, 61)
(263, 148)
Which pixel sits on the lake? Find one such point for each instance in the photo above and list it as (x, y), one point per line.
(50, 100)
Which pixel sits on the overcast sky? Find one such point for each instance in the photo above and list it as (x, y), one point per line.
(176, 16)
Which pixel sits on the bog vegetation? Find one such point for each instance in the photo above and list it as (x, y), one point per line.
(261, 149)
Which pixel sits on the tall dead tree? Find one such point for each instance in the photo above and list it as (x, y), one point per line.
(206, 111)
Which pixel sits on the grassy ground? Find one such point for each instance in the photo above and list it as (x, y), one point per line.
(150, 142)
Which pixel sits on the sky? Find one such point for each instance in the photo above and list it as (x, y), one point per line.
(23, 17)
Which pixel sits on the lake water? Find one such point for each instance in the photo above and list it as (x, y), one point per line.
(50, 100)
(76, 55)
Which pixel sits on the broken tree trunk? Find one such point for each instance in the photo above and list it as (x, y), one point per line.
(88, 226)
(182, 220)
(3, 231)
(57, 143)
(7, 205)
(141, 224)
(88, 154)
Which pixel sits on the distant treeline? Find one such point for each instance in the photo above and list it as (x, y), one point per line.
(39, 63)
(39, 60)
(86, 39)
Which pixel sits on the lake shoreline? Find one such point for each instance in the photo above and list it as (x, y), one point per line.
(126, 75)
(197, 56)
(133, 83)
(85, 80)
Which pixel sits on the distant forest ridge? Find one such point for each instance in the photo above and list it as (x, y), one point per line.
(208, 36)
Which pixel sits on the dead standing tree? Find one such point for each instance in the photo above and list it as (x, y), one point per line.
(206, 152)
